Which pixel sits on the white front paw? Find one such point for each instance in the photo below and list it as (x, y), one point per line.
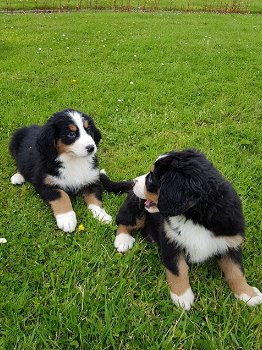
(251, 301)
(67, 221)
(100, 213)
(17, 179)
(185, 300)
(123, 242)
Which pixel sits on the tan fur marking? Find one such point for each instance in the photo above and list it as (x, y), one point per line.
(90, 198)
(151, 196)
(234, 241)
(72, 127)
(49, 181)
(179, 284)
(61, 205)
(61, 147)
(235, 278)
(129, 229)
(85, 124)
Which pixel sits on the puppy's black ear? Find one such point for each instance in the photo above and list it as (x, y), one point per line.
(46, 143)
(177, 194)
(97, 135)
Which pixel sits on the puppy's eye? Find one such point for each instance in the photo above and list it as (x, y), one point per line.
(71, 134)
(88, 130)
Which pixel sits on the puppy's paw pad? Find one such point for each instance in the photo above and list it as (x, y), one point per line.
(252, 301)
(17, 179)
(185, 300)
(100, 214)
(67, 221)
(123, 242)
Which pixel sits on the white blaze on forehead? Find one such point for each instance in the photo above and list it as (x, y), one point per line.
(78, 120)
(84, 140)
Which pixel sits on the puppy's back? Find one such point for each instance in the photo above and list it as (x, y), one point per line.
(23, 138)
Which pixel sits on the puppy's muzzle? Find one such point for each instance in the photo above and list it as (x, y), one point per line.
(139, 187)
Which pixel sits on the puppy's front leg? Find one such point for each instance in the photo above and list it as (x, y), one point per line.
(178, 280)
(61, 205)
(93, 198)
(232, 267)
(176, 273)
(124, 240)
(63, 211)
(131, 216)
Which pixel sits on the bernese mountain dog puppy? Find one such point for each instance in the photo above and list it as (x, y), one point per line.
(59, 159)
(193, 213)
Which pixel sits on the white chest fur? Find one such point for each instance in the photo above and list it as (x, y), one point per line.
(75, 173)
(198, 242)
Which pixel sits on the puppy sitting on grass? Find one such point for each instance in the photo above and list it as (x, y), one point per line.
(193, 213)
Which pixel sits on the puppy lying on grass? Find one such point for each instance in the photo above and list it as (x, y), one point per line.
(59, 159)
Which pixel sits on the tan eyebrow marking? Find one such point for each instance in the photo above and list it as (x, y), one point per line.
(85, 124)
(72, 127)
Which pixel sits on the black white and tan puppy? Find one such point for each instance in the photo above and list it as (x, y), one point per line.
(59, 159)
(193, 213)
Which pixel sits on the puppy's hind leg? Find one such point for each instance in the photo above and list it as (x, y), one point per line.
(232, 267)
(17, 179)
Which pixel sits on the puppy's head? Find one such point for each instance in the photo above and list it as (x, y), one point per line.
(175, 183)
(70, 132)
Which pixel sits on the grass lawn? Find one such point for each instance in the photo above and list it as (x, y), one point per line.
(154, 82)
(253, 6)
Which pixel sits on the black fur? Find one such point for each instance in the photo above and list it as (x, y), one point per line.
(34, 149)
(190, 185)
(115, 187)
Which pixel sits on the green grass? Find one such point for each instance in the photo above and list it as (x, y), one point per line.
(196, 83)
(253, 6)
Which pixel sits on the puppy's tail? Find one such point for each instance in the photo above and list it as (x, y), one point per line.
(119, 187)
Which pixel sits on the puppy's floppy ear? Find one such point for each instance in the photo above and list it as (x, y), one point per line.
(177, 194)
(97, 135)
(45, 142)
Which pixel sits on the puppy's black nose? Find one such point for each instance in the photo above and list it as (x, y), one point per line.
(90, 148)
